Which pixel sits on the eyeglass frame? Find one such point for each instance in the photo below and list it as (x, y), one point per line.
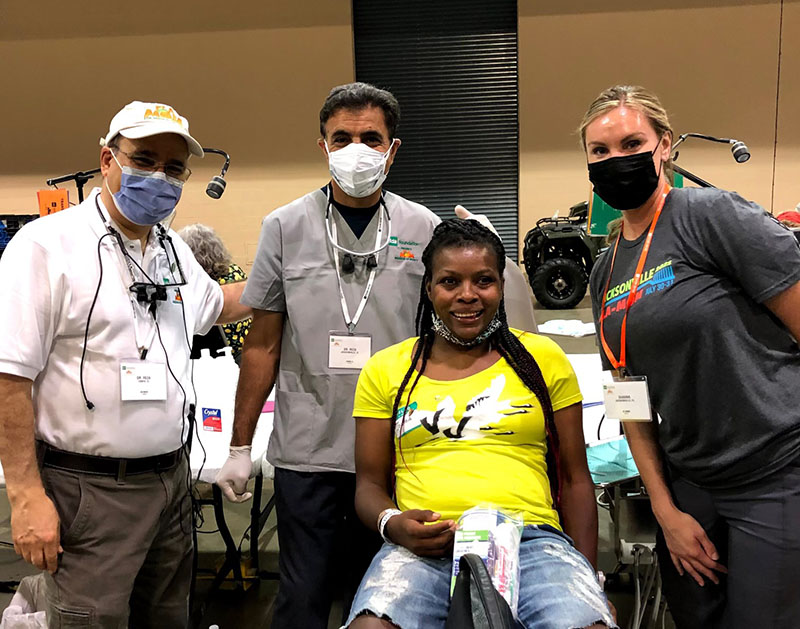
(162, 166)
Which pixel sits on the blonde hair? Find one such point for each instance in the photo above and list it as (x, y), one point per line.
(635, 97)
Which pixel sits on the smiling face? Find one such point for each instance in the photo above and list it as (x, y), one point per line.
(465, 288)
(625, 131)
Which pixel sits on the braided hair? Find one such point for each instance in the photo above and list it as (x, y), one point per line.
(462, 233)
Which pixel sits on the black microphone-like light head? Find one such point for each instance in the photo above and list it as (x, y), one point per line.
(740, 151)
(216, 187)
(348, 264)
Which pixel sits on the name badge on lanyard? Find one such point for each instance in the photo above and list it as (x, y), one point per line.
(348, 351)
(142, 380)
(628, 398)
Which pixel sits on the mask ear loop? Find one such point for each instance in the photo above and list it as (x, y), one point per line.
(389, 152)
(105, 179)
(661, 162)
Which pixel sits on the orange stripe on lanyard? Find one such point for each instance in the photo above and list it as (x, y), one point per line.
(620, 364)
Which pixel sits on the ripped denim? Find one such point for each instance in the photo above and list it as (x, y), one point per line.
(558, 588)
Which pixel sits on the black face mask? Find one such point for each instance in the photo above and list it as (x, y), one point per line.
(625, 182)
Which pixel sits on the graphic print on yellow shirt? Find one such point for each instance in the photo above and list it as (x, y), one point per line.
(481, 417)
(480, 439)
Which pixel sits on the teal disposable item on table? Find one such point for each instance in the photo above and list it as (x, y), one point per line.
(611, 462)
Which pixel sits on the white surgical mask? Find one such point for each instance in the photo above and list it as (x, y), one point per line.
(358, 169)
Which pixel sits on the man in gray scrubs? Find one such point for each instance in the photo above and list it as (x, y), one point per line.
(336, 278)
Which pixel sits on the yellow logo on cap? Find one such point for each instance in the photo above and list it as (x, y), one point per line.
(162, 112)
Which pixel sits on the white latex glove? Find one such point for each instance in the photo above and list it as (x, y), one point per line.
(462, 212)
(232, 478)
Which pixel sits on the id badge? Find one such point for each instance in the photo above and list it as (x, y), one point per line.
(348, 351)
(627, 399)
(142, 380)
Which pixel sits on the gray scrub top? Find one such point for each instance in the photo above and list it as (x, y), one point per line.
(294, 273)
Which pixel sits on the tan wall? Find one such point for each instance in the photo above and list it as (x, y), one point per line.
(250, 82)
(713, 63)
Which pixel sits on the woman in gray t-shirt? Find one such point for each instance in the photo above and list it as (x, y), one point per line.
(700, 293)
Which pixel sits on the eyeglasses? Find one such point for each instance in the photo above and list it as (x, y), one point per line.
(171, 169)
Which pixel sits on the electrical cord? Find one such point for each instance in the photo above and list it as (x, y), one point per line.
(244, 537)
(86, 400)
(603, 500)
(197, 509)
(184, 439)
(162, 237)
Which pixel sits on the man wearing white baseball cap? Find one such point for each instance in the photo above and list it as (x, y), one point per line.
(102, 301)
(141, 120)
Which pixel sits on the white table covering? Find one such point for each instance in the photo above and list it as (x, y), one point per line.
(216, 379)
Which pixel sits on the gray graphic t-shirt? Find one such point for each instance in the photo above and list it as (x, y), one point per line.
(723, 371)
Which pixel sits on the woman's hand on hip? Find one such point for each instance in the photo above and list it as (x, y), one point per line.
(409, 529)
(690, 548)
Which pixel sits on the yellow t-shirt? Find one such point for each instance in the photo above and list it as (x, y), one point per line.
(477, 440)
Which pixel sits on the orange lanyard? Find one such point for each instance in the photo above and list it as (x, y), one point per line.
(620, 364)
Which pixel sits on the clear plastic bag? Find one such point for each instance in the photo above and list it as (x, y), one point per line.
(493, 535)
(23, 610)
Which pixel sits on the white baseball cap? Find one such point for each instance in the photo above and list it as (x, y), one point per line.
(141, 120)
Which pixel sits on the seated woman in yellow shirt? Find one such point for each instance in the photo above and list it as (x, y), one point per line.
(472, 412)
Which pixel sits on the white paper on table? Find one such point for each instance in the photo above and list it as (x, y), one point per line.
(589, 370)
(591, 377)
(567, 327)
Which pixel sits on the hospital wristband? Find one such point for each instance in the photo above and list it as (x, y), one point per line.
(383, 518)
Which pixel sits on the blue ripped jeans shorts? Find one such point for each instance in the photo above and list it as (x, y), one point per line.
(558, 587)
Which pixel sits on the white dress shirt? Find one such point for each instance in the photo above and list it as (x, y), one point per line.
(49, 276)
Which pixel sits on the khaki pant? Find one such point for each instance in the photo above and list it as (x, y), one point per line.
(127, 557)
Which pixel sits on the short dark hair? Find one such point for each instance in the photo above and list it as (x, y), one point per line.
(358, 96)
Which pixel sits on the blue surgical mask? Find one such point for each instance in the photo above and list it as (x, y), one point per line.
(144, 197)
